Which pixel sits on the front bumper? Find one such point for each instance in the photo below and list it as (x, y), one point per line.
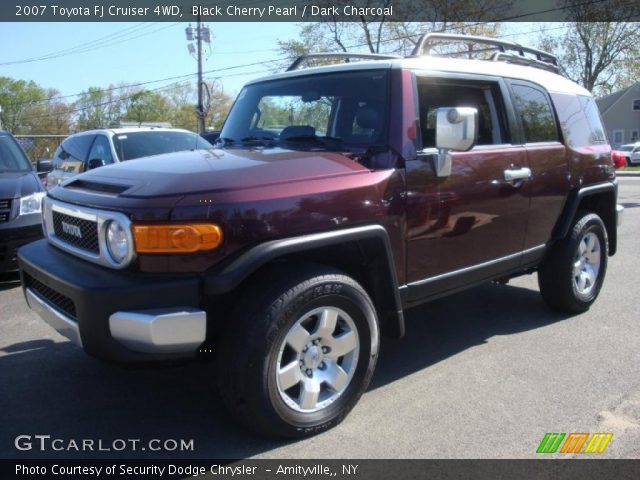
(114, 315)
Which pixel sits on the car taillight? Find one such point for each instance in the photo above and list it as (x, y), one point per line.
(619, 160)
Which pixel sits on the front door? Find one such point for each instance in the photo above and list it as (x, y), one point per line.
(467, 225)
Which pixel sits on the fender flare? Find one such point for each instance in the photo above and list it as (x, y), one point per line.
(229, 276)
(571, 207)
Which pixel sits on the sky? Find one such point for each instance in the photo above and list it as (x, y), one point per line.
(111, 53)
(134, 52)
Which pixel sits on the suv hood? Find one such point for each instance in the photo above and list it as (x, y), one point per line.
(18, 184)
(212, 171)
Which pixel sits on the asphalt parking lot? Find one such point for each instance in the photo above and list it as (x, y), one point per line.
(483, 374)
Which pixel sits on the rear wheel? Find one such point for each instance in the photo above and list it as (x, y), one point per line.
(572, 274)
(298, 355)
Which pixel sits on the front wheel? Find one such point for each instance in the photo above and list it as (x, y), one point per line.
(297, 356)
(571, 275)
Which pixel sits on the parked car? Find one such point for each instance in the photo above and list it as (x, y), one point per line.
(631, 152)
(20, 201)
(96, 148)
(341, 196)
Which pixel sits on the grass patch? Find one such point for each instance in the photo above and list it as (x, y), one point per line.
(635, 168)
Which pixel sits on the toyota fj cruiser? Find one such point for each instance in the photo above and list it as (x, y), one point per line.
(338, 197)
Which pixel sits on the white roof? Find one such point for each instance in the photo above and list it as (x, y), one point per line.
(125, 130)
(432, 64)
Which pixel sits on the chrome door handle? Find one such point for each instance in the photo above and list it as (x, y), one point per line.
(511, 175)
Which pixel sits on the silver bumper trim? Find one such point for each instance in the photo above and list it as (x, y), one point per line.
(619, 214)
(61, 323)
(174, 330)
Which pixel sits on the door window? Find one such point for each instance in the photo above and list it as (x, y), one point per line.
(536, 114)
(483, 96)
(101, 149)
(73, 153)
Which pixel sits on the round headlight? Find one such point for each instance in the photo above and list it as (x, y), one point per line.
(117, 241)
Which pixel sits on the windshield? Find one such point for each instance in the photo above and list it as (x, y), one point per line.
(154, 142)
(12, 158)
(337, 111)
(626, 148)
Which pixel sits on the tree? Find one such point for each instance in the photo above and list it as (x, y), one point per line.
(595, 50)
(379, 35)
(98, 108)
(18, 99)
(147, 106)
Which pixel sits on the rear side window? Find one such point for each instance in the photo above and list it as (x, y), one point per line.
(590, 109)
(535, 113)
(579, 119)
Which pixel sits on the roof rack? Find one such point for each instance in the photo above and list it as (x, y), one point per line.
(339, 55)
(506, 51)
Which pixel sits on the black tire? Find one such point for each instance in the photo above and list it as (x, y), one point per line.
(558, 285)
(250, 348)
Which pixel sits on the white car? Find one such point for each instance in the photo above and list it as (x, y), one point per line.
(632, 152)
(85, 151)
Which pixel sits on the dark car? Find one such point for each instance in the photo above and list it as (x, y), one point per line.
(340, 196)
(20, 201)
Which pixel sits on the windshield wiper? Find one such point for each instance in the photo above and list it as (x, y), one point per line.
(327, 142)
(264, 140)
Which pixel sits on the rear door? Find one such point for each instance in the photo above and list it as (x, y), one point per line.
(471, 224)
(547, 159)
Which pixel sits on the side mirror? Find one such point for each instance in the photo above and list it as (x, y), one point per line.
(44, 165)
(95, 163)
(456, 129)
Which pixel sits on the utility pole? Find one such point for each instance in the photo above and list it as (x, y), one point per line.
(201, 34)
(201, 113)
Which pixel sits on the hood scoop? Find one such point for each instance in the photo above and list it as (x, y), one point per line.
(99, 187)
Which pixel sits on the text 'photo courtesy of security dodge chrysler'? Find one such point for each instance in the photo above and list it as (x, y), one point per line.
(337, 197)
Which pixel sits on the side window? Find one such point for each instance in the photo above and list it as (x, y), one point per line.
(77, 146)
(483, 96)
(536, 114)
(73, 153)
(101, 149)
(579, 119)
(58, 157)
(593, 118)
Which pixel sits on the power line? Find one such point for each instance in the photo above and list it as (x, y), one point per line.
(95, 45)
(401, 37)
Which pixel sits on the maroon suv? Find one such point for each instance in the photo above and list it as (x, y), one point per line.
(338, 197)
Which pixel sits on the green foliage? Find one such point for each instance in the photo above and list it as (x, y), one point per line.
(596, 51)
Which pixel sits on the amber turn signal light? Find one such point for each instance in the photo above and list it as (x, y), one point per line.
(176, 238)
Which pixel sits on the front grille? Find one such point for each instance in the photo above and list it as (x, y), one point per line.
(60, 302)
(5, 210)
(78, 232)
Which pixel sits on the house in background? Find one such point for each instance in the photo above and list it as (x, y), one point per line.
(620, 113)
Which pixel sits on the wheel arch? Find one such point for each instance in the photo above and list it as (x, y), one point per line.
(363, 252)
(599, 199)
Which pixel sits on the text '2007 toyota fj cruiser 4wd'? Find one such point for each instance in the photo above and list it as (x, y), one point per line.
(340, 196)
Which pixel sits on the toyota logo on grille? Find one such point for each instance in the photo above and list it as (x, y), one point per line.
(72, 230)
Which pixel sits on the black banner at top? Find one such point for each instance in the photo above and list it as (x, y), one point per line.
(318, 10)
